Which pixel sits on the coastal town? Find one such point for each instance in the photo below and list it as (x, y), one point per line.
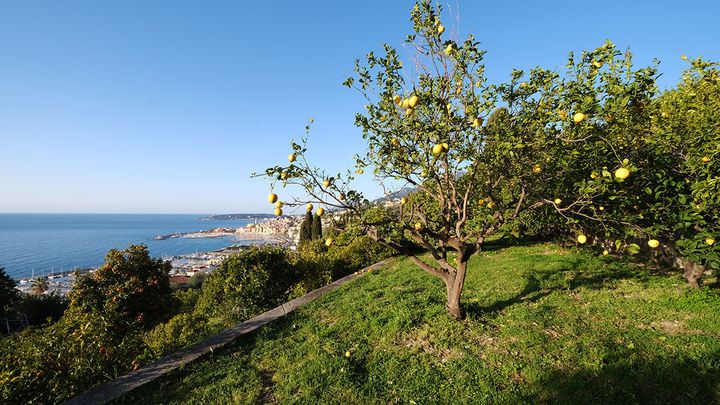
(281, 231)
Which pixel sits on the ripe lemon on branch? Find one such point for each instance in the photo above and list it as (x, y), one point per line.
(622, 173)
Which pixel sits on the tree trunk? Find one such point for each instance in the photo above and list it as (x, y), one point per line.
(454, 286)
(693, 273)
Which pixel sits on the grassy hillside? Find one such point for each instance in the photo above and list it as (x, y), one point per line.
(544, 324)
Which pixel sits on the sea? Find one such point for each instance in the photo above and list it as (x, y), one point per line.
(42, 244)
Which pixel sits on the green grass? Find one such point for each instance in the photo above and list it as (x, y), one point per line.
(545, 324)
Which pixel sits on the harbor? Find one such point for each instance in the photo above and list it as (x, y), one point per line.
(281, 231)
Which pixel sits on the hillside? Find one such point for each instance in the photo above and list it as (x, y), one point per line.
(544, 324)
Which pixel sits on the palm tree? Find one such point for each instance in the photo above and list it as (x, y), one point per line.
(39, 286)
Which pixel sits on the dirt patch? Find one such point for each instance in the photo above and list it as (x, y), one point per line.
(419, 341)
(672, 328)
(327, 318)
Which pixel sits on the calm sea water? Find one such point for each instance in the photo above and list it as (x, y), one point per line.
(56, 242)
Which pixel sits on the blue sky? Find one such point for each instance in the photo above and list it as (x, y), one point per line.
(168, 106)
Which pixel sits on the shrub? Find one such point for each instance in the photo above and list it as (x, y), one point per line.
(98, 338)
(182, 330)
(50, 364)
(247, 284)
(130, 287)
(197, 280)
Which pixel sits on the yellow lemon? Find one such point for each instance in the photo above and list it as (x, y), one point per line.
(622, 173)
(348, 354)
(418, 226)
(403, 200)
(326, 183)
(272, 197)
(449, 49)
(537, 169)
(309, 207)
(437, 149)
(408, 112)
(705, 159)
(278, 212)
(279, 204)
(579, 117)
(284, 175)
(581, 239)
(445, 147)
(557, 201)
(328, 242)
(710, 241)
(597, 64)
(397, 99)
(477, 122)
(653, 243)
(320, 211)
(683, 57)
(291, 157)
(440, 29)
(412, 102)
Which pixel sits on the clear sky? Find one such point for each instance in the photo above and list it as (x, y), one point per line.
(168, 106)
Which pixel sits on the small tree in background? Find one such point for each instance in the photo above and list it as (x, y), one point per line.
(131, 287)
(39, 286)
(306, 228)
(8, 292)
(317, 232)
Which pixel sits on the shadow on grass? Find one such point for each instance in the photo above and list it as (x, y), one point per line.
(503, 243)
(627, 378)
(581, 272)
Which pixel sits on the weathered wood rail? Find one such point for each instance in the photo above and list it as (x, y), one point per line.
(122, 385)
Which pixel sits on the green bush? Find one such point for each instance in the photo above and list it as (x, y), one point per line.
(99, 337)
(247, 284)
(50, 364)
(182, 330)
(130, 287)
(197, 280)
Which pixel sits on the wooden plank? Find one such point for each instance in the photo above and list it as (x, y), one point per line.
(122, 385)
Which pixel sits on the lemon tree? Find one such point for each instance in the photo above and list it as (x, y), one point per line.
(687, 126)
(479, 155)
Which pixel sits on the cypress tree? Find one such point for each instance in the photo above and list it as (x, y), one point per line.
(306, 228)
(316, 228)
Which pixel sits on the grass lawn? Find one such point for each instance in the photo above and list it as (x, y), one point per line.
(545, 324)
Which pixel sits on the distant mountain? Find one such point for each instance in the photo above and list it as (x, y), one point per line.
(236, 217)
(398, 194)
